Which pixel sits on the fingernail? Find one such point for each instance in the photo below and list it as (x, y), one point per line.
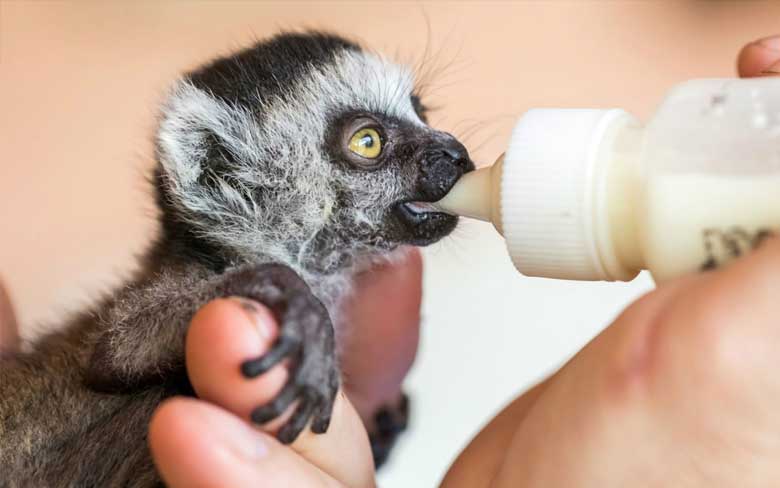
(260, 317)
(773, 69)
(772, 43)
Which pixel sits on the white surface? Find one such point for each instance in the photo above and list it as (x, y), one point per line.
(488, 334)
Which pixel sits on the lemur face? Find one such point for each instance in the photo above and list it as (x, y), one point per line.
(306, 149)
(399, 164)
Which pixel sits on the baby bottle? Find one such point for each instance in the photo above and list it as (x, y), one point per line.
(592, 194)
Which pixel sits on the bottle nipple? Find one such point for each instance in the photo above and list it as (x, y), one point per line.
(477, 195)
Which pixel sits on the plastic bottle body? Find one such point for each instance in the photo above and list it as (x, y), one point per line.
(710, 166)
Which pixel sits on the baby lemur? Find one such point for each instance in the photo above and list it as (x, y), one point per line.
(282, 170)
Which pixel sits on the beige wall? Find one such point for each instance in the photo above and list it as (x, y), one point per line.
(79, 83)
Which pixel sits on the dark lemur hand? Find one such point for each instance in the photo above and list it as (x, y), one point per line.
(185, 433)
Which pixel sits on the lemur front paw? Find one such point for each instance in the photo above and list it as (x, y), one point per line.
(305, 337)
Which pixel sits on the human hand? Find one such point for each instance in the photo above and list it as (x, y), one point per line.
(209, 442)
(680, 390)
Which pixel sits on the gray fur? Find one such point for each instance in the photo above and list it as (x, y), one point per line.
(355, 81)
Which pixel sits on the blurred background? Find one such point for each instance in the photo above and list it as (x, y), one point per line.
(79, 87)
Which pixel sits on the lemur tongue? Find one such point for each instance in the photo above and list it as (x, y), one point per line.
(421, 207)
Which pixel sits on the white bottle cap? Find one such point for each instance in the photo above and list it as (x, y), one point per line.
(553, 214)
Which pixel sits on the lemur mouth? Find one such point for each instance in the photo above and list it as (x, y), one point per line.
(422, 221)
(426, 223)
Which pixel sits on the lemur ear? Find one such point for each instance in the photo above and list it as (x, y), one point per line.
(208, 152)
(201, 136)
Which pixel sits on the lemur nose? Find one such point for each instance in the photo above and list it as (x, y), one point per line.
(445, 161)
(457, 152)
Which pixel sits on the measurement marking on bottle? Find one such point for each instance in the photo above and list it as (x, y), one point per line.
(722, 246)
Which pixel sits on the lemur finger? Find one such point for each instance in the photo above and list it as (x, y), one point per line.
(290, 431)
(322, 418)
(282, 348)
(325, 402)
(278, 405)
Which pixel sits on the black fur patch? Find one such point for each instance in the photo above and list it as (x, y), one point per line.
(269, 66)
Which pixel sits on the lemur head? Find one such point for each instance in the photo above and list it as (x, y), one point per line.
(304, 149)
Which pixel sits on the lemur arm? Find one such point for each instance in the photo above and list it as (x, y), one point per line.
(143, 333)
(140, 334)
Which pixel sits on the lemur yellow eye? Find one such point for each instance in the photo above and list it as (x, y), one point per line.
(366, 143)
